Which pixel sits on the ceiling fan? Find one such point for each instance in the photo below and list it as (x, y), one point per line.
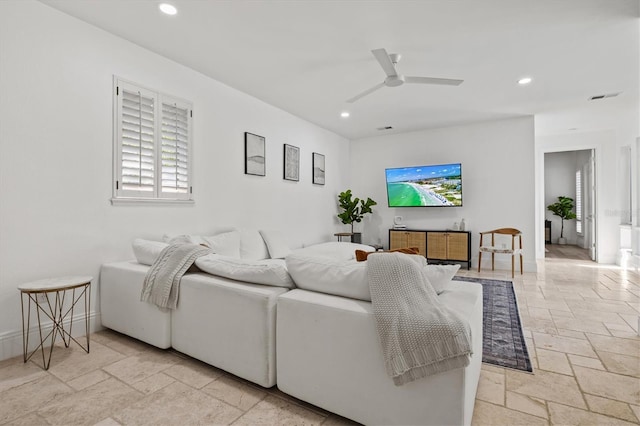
(388, 63)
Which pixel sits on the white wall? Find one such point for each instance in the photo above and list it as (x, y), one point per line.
(560, 180)
(497, 176)
(56, 163)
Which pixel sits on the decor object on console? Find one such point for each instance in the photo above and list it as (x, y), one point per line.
(563, 208)
(502, 249)
(291, 163)
(353, 211)
(254, 154)
(318, 168)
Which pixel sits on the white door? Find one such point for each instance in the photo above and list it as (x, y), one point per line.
(590, 206)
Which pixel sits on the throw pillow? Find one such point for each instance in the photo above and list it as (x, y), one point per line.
(252, 246)
(226, 244)
(276, 244)
(146, 251)
(440, 275)
(362, 255)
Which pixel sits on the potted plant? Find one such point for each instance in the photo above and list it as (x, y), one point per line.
(353, 211)
(564, 209)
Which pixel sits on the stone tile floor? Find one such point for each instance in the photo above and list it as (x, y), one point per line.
(580, 322)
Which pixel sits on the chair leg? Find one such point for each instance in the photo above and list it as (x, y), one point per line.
(479, 260)
(520, 264)
(493, 263)
(513, 260)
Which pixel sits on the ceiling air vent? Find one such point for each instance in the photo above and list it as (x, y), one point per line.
(608, 95)
(385, 128)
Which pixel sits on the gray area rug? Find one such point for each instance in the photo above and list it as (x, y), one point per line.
(502, 343)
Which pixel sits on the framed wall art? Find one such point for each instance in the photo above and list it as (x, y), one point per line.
(291, 163)
(254, 156)
(318, 169)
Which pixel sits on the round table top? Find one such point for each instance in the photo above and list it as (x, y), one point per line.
(55, 284)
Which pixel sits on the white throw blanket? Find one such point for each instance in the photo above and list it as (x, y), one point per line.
(162, 282)
(419, 335)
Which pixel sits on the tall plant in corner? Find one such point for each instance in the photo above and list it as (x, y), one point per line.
(564, 209)
(353, 209)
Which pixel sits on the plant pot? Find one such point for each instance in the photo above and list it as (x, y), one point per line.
(562, 241)
(356, 237)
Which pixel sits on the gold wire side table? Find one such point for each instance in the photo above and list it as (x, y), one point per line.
(48, 297)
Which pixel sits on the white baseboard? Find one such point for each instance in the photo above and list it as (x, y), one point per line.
(11, 341)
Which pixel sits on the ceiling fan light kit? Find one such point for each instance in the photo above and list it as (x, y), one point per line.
(388, 63)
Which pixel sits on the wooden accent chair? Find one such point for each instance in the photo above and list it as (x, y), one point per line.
(493, 249)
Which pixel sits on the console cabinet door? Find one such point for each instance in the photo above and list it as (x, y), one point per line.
(404, 239)
(437, 245)
(457, 246)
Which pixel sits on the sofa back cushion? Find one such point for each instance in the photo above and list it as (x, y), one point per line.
(334, 250)
(341, 277)
(271, 272)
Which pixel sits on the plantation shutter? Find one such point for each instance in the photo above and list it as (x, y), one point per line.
(175, 132)
(152, 145)
(136, 142)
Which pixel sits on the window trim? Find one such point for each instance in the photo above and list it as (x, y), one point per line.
(157, 196)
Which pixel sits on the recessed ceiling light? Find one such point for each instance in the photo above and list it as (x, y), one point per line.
(344, 114)
(167, 8)
(525, 80)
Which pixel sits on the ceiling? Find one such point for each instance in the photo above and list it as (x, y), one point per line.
(309, 57)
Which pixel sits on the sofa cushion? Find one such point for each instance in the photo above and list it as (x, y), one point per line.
(271, 272)
(252, 246)
(348, 278)
(225, 244)
(341, 277)
(333, 250)
(147, 251)
(276, 244)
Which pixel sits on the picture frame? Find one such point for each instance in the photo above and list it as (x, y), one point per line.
(254, 154)
(318, 169)
(291, 163)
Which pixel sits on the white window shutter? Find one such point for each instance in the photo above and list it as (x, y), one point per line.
(136, 147)
(175, 135)
(152, 145)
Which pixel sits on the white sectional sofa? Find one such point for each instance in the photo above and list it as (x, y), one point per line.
(324, 346)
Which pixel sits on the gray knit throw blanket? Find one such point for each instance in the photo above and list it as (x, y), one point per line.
(162, 282)
(419, 335)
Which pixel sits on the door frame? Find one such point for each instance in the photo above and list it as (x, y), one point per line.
(540, 207)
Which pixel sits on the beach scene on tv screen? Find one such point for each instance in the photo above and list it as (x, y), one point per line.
(438, 185)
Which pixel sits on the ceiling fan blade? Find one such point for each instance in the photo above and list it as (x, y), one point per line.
(385, 62)
(432, 80)
(365, 93)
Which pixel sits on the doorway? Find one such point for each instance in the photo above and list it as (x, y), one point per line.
(570, 174)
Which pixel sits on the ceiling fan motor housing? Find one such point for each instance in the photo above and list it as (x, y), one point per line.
(394, 80)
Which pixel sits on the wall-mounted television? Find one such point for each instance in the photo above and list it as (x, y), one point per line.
(438, 185)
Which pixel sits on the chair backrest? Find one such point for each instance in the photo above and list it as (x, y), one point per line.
(513, 232)
(504, 231)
